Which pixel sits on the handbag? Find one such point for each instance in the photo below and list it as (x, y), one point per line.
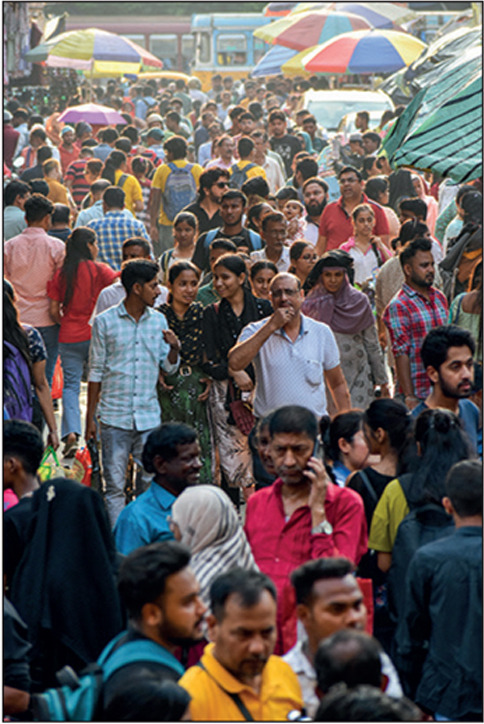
(241, 412)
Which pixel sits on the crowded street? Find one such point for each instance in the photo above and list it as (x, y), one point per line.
(242, 361)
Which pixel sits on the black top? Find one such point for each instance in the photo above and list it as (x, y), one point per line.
(16, 648)
(204, 223)
(378, 483)
(439, 639)
(16, 521)
(286, 147)
(201, 254)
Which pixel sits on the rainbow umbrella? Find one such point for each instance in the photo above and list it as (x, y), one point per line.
(294, 66)
(365, 51)
(271, 63)
(98, 53)
(379, 14)
(302, 31)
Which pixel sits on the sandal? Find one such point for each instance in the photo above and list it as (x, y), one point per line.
(70, 449)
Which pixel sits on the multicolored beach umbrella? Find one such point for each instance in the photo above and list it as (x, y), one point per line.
(302, 31)
(271, 63)
(365, 51)
(379, 14)
(278, 10)
(98, 52)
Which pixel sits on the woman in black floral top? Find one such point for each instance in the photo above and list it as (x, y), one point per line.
(183, 395)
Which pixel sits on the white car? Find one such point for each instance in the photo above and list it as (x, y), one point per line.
(329, 106)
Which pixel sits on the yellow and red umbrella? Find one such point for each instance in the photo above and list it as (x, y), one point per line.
(367, 51)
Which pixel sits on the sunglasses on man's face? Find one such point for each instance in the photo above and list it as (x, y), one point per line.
(222, 184)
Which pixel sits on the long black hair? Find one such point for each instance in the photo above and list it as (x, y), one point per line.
(112, 164)
(77, 250)
(442, 443)
(13, 332)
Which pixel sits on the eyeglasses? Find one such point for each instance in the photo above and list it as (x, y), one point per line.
(276, 293)
(222, 184)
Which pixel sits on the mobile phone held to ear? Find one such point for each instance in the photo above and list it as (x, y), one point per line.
(316, 449)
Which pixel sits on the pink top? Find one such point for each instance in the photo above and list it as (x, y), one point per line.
(30, 261)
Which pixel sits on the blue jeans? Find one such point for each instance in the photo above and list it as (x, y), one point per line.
(50, 335)
(73, 355)
(116, 446)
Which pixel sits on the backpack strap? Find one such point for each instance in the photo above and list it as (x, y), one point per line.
(122, 180)
(210, 237)
(235, 697)
(368, 485)
(377, 253)
(405, 481)
(140, 650)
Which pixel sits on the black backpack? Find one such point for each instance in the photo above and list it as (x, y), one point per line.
(423, 524)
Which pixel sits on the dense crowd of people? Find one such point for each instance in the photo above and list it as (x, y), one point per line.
(282, 336)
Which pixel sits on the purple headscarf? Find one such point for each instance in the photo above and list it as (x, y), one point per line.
(347, 312)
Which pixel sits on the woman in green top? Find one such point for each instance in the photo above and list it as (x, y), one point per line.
(183, 395)
(466, 310)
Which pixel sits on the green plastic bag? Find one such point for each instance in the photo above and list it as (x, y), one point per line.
(50, 466)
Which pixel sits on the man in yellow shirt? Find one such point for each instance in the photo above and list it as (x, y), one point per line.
(245, 169)
(238, 678)
(173, 188)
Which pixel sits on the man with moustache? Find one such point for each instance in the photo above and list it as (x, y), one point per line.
(412, 313)
(238, 678)
(448, 357)
(315, 197)
(161, 596)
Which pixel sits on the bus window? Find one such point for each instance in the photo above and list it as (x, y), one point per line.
(260, 49)
(231, 49)
(138, 39)
(165, 47)
(203, 48)
(188, 51)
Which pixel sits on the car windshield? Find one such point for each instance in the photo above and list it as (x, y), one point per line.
(330, 113)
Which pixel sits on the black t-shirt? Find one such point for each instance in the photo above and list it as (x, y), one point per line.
(16, 649)
(286, 147)
(204, 223)
(201, 254)
(16, 521)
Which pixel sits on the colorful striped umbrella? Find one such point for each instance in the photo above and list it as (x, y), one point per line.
(301, 31)
(295, 65)
(271, 63)
(449, 141)
(365, 51)
(98, 52)
(379, 14)
(278, 10)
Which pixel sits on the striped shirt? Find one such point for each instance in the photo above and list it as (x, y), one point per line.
(408, 318)
(75, 173)
(112, 231)
(126, 356)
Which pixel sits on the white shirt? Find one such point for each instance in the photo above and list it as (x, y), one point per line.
(284, 260)
(274, 174)
(306, 675)
(291, 373)
(312, 232)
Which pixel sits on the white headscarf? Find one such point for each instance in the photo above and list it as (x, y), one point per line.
(209, 526)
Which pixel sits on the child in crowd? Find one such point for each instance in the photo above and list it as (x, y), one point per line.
(294, 212)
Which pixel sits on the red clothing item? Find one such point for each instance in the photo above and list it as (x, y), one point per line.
(91, 278)
(75, 173)
(336, 226)
(279, 546)
(68, 156)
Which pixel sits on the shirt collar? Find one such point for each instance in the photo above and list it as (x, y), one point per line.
(163, 497)
(123, 312)
(303, 329)
(411, 292)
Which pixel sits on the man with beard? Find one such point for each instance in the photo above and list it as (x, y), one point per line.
(237, 677)
(412, 313)
(161, 596)
(447, 354)
(315, 198)
(172, 453)
(212, 185)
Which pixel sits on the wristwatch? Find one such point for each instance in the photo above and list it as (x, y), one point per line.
(324, 527)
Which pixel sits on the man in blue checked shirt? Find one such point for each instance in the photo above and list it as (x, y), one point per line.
(130, 343)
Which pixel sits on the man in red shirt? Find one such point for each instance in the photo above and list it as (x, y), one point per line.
(336, 226)
(68, 151)
(302, 515)
(74, 177)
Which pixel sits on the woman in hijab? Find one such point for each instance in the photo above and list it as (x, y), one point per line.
(64, 587)
(204, 519)
(332, 299)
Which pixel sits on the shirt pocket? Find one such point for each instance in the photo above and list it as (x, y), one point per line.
(313, 372)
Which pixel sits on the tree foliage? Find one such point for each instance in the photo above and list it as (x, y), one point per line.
(137, 9)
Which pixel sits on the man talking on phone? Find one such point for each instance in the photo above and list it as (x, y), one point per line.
(301, 516)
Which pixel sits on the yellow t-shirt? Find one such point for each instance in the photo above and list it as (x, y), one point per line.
(159, 182)
(252, 172)
(280, 691)
(389, 513)
(57, 192)
(131, 188)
